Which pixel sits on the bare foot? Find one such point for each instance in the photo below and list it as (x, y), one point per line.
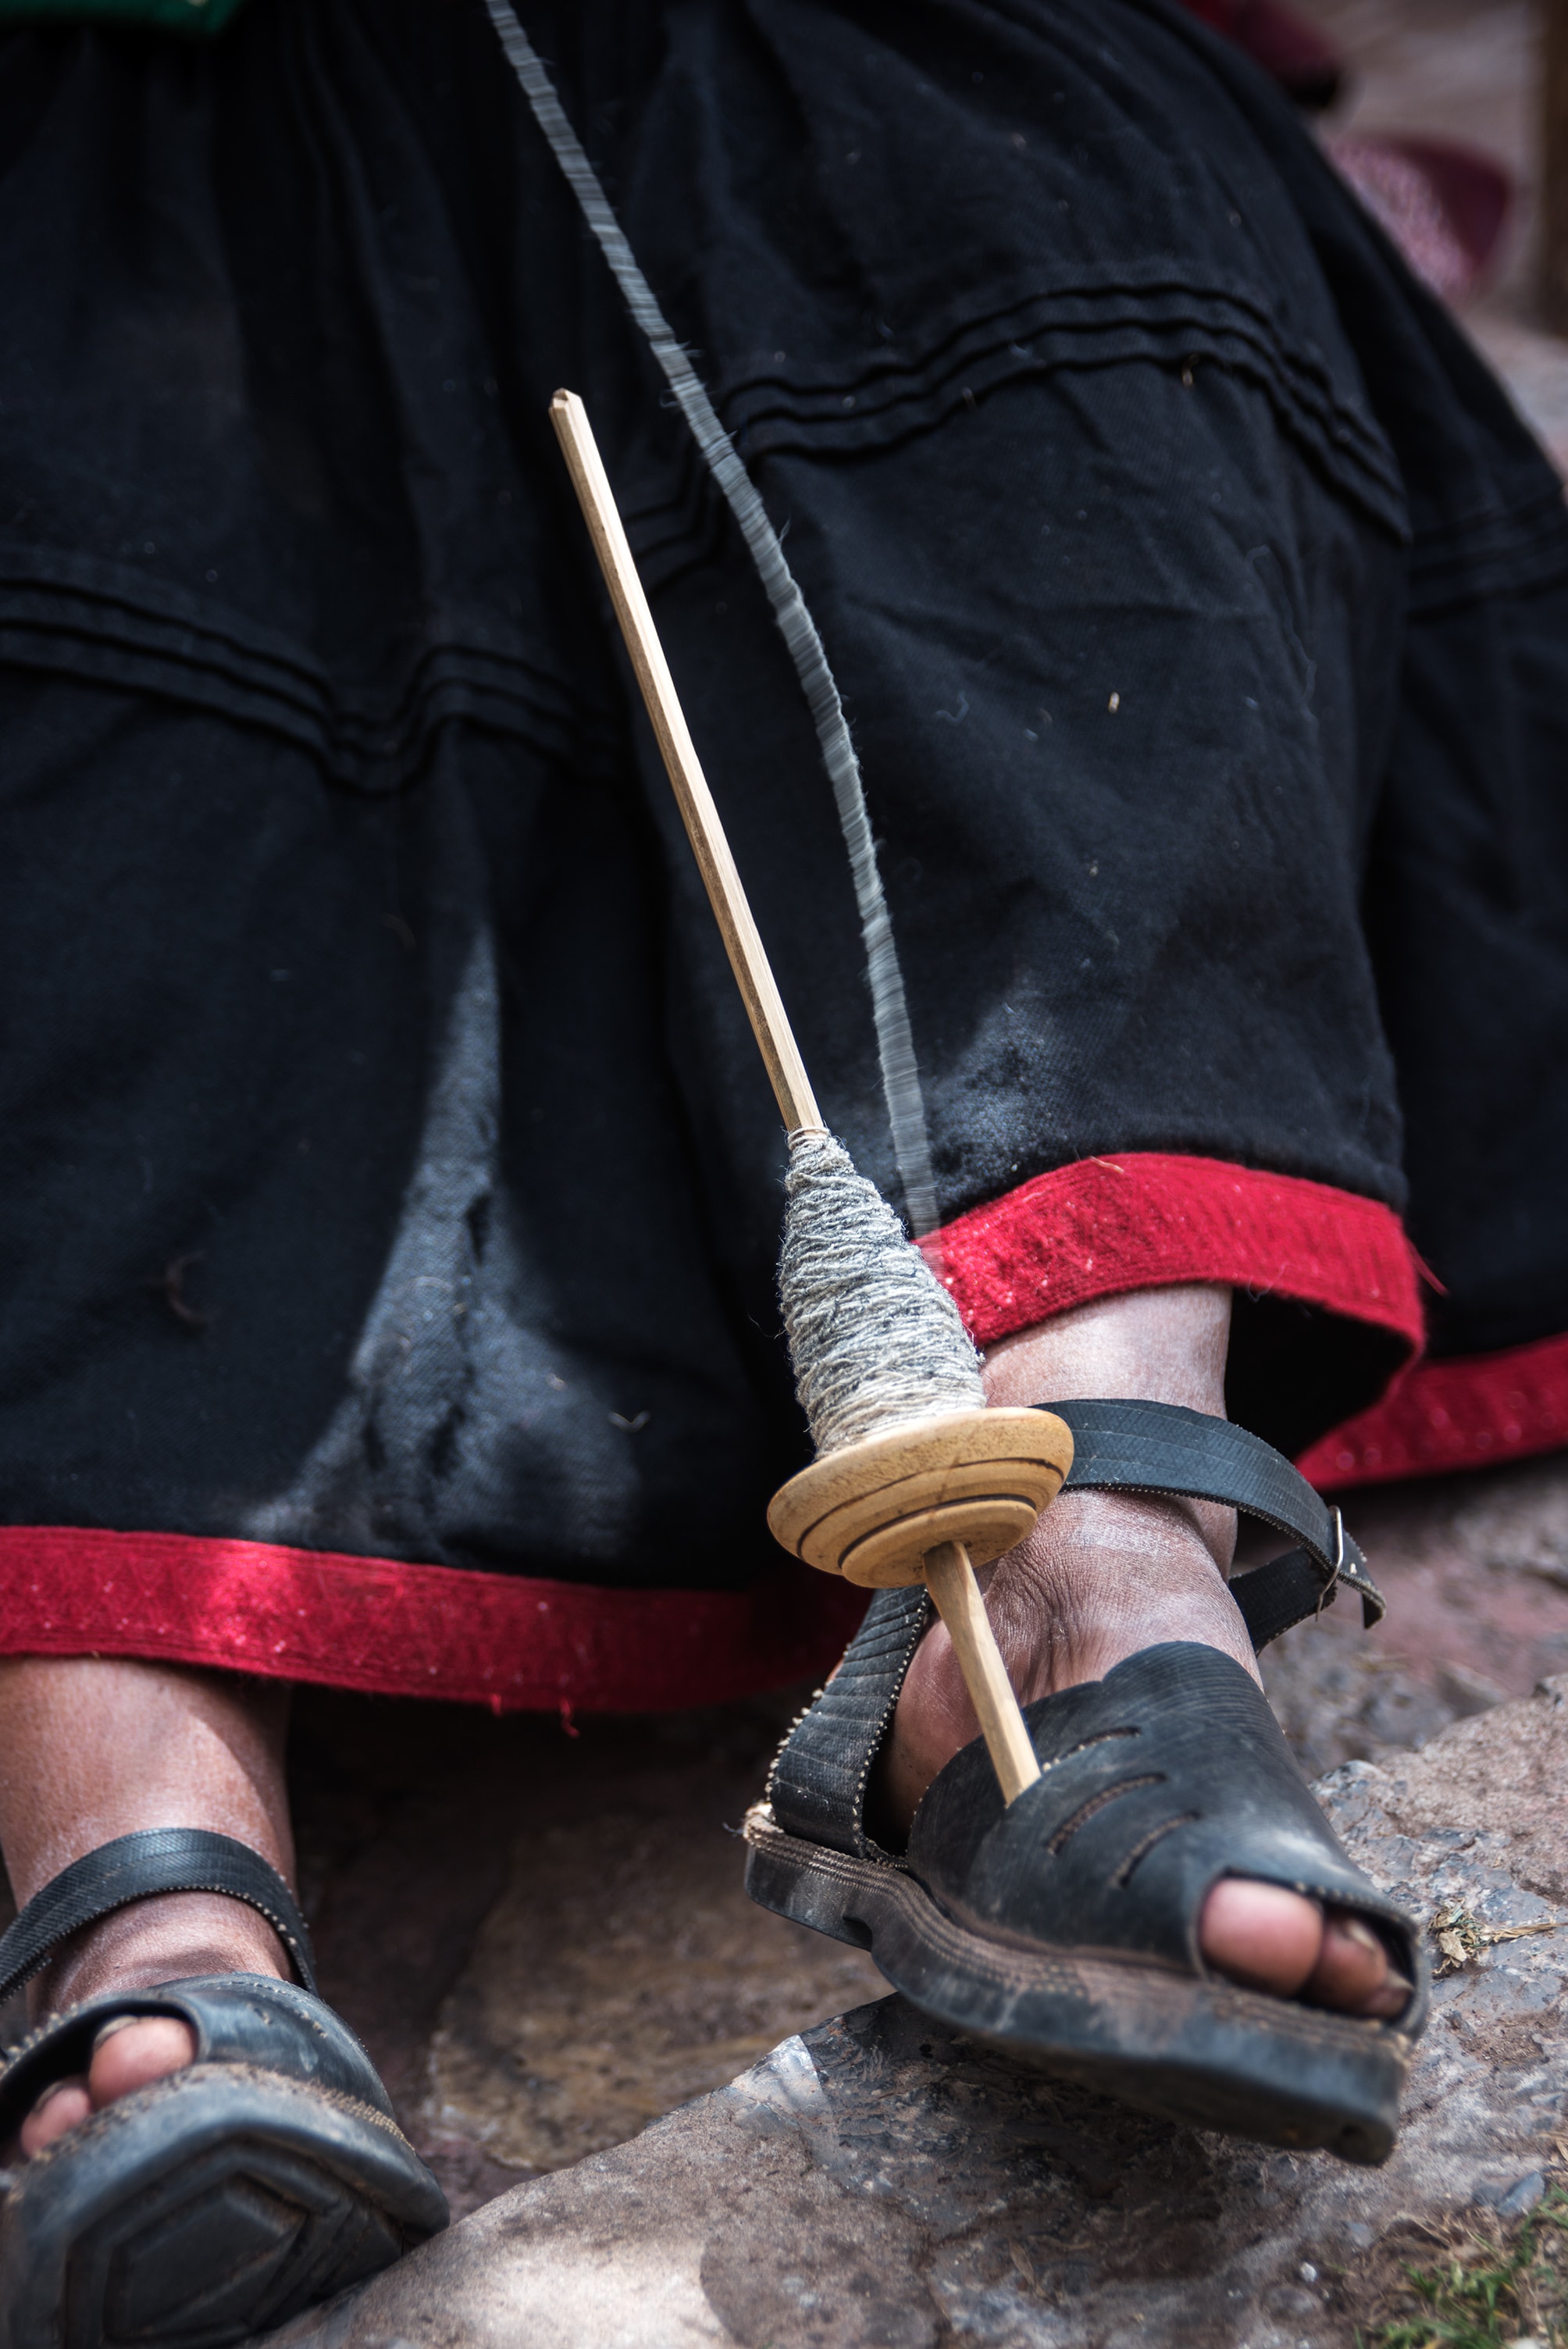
(94, 1748)
(1104, 1574)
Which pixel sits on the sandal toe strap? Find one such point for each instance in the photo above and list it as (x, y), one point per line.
(1155, 1781)
(251, 2020)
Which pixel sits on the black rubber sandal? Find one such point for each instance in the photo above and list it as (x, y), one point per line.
(223, 2199)
(1063, 1929)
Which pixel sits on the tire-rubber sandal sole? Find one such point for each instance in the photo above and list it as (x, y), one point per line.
(1188, 2048)
(254, 2196)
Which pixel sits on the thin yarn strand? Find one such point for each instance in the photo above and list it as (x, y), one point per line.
(875, 1342)
(890, 1007)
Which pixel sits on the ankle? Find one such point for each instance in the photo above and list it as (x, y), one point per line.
(1105, 1574)
(173, 1937)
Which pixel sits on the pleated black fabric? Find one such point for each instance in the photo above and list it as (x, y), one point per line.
(387, 1166)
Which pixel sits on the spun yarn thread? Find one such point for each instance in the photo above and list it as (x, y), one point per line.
(875, 1340)
(884, 977)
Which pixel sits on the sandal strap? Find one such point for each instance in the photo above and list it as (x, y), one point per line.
(818, 1782)
(1162, 1448)
(817, 1786)
(137, 1868)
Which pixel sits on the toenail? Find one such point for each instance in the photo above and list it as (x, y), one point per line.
(118, 2023)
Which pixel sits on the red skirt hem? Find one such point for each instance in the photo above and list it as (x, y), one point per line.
(1145, 1219)
(512, 1642)
(1103, 1227)
(1470, 1411)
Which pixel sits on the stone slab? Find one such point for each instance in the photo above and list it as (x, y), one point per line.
(538, 1929)
(875, 2183)
(1475, 1571)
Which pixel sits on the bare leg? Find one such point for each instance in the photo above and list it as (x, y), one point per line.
(1104, 1574)
(92, 1748)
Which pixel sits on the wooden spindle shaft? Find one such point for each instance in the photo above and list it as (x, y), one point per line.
(726, 893)
(950, 1578)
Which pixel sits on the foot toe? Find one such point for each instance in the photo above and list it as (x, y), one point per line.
(1354, 1972)
(136, 2053)
(131, 2056)
(1268, 1937)
(60, 2109)
(1261, 1935)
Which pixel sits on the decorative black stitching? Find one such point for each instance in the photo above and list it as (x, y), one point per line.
(1086, 1811)
(1140, 1850)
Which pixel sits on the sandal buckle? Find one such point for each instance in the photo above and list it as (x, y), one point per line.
(1332, 1585)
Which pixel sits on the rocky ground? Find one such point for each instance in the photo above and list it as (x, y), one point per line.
(540, 1934)
(1475, 1569)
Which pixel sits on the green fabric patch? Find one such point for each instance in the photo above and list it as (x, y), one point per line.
(198, 18)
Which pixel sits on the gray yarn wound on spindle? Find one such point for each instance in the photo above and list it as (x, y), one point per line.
(874, 1338)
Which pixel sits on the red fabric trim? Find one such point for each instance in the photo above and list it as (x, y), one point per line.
(1465, 1413)
(504, 1640)
(1140, 1220)
(1144, 1219)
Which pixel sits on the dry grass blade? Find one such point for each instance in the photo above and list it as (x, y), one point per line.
(1489, 2286)
(1461, 1937)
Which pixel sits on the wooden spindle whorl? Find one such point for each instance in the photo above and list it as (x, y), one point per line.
(871, 1511)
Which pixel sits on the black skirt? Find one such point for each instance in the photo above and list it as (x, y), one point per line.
(391, 1191)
